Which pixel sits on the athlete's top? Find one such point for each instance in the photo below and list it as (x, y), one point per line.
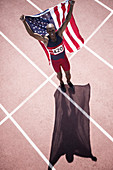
(56, 49)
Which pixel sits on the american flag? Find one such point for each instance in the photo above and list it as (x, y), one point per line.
(56, 15)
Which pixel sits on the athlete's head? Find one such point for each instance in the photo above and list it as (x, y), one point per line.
(51, 30)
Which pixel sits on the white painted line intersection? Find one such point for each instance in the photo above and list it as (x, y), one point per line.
(98, 28)
(103, 5)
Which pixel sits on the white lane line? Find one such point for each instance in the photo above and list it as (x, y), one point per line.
(105, 6)
(75, 104)
(25, 56)
(103, 22)
(28, 98)
(27, 138)
(34, 5)
(100, 58)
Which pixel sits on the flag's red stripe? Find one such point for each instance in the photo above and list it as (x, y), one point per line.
(69, 34)
(68, 8)
(46, 51)
(75, 29)
(72, 39)
(65, 41)
(57, 15)
(64, 10)
(67, 45)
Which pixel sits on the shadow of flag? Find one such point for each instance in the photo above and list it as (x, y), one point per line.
(71, 135)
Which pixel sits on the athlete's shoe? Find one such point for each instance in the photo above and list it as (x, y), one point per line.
(63, 87)
(93, 158)
(71, 86)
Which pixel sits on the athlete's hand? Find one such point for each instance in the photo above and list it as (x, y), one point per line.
(71, 2)
(45, 40)
(22, 18)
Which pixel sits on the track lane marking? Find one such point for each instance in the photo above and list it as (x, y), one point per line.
(27, 137)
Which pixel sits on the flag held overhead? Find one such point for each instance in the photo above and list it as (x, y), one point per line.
(56, 15)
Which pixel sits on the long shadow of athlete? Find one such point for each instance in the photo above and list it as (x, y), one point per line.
(71, 134)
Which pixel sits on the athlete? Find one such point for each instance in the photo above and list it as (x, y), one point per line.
(54, 43)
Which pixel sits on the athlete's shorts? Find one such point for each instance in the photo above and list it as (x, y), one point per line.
(64, 63)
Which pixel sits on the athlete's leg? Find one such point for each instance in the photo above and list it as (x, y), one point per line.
(59, 76)
(68, 76)
(57, 68)
(66, 68)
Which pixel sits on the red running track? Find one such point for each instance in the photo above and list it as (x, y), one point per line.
(19, 79)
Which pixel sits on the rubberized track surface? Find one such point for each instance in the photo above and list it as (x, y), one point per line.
(27, 94)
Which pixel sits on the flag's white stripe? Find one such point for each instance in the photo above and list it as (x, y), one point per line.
(64, 33)
(40, 14)
(66, 6)
(74, 35)
(54, 18)
(60, 12)
(67, 51)
(65, 15)
(69, 41)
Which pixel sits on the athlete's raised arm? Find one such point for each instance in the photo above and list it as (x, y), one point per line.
(31, 33)
(64, 25)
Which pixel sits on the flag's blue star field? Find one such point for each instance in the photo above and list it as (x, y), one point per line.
(38, 23)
